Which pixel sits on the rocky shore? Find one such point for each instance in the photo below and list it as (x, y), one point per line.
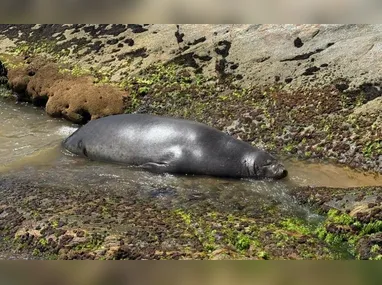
(311, 92)
(42, 221)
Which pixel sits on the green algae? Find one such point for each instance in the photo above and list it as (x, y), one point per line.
(252, 237)
(41, 47)
(341, 229)
(5, 93)
(296, 225)
(197, 233)
(372, 148)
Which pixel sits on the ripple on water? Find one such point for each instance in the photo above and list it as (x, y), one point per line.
(66, 130)
(26, 131)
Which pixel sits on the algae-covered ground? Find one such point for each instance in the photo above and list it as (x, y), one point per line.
(42, 221)
(45, 221)
(353, 216)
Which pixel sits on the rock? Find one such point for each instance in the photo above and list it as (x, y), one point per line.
(19, 82)
(304, 56)
(77, 99)
(370, 246)
(373, 106)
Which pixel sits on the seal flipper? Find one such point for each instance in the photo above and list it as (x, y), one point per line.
(156, 167)
(166, 162)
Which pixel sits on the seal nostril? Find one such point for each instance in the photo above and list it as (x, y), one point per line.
(285, 173)
(85, 152)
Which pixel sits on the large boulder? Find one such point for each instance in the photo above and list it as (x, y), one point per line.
(75, 98)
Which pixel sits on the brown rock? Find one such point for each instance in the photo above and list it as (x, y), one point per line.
(75, 98)
(18, 80)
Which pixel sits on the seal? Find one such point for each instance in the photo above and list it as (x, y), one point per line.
(170, 145)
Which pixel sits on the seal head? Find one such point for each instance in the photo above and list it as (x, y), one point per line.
(261, 164)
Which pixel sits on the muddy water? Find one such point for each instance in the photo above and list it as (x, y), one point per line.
(30, 148)
(329, 175)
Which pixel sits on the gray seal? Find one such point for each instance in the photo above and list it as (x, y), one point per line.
(169, 145)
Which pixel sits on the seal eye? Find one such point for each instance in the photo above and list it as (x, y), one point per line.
(81, 147)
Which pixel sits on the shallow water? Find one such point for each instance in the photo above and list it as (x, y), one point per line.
(30, 148)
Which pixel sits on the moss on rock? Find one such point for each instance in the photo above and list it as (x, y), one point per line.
(63, 223)
(353, 217)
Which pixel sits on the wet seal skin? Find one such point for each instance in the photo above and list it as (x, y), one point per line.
(170, 145)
